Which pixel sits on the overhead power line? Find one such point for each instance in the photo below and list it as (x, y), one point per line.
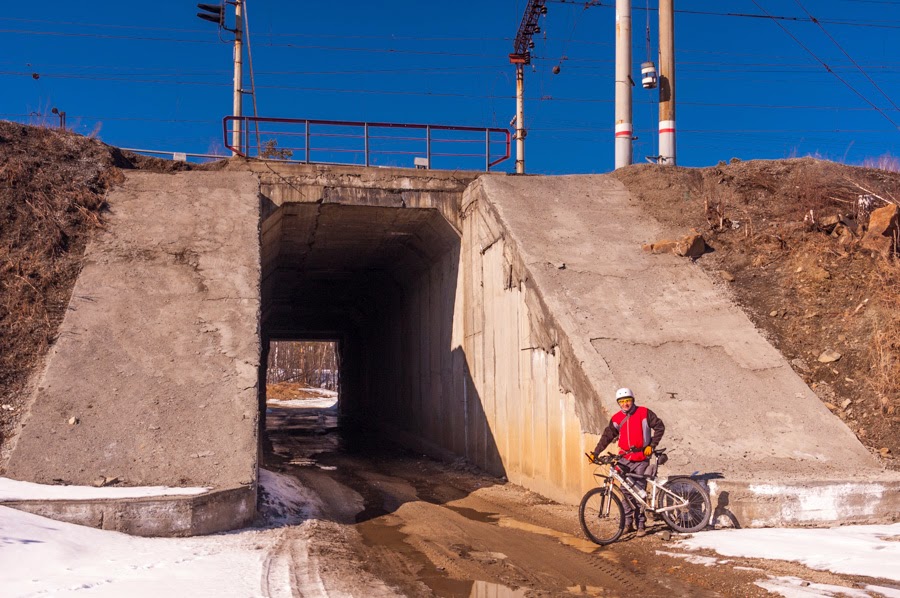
(829, 69)
(847, 22)
(850, 58)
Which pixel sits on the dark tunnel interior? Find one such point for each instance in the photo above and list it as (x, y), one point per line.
(382, 283)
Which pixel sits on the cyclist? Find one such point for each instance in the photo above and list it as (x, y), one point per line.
(639, 431)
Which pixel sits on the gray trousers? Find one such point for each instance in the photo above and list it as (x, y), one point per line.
(632, 510)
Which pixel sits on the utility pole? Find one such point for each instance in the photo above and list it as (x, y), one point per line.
(215, 13)
(623, 129)
(666, 82)
(520, 57)
(238, 73)
(520, 119)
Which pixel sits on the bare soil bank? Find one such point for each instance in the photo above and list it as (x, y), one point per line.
(805, 281)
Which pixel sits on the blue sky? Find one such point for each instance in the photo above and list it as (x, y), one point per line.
(152, 75)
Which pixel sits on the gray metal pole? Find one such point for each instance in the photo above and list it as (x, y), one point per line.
(667, 82)
(623, 129)
(520, 119)
(238, 74)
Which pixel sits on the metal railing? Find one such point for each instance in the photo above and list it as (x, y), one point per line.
(175, 155)
(368, 144)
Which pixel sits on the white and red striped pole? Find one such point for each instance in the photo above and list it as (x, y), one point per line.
(623, 130)
(666, 82)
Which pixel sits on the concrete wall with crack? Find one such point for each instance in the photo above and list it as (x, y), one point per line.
(617, 316)
(160, 340)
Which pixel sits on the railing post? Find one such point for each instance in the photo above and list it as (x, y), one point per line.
(487, 150)
(307, 141)
(366, 135)
(428, 145)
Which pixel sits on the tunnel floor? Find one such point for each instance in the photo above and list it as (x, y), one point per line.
(386, 517)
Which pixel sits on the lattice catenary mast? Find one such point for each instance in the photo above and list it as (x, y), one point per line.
(520, 57)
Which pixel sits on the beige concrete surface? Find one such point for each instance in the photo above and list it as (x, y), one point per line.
(157, 356)
(491, 320)
(610, 315)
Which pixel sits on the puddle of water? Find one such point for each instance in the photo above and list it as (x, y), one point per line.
(568, 539)
(377, 533)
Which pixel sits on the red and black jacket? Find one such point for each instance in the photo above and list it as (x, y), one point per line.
(636, 430)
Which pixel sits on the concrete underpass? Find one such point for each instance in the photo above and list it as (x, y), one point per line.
(489, 318)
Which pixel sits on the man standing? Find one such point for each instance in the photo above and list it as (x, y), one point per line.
(639, 431)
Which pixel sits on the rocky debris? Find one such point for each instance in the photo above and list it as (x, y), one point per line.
(73, 421)
(882, 231)
(102, 481)
(691, 246)
(829, 356)
(663, 246)
(726, 275)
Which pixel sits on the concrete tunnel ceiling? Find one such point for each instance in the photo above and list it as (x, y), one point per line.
(327, 268)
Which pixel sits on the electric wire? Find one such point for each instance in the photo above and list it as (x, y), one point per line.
(829, 69)
(850, 58)
(847, 22)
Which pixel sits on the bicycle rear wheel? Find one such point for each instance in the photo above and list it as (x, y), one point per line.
(695, 514)
(602, 516)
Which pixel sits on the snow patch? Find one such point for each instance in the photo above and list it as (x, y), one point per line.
(794, 587)
(18, 490)
(284, 501)
(820, 503)
(695, 559)
(868, 550)
(39, 556)
(320, 403)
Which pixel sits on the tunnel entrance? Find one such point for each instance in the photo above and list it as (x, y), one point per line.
(379, 284)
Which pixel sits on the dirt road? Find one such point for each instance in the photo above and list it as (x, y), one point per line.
(386, 522)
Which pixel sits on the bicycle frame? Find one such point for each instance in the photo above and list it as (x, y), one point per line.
(616, 479)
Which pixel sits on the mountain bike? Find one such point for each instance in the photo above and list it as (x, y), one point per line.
(682, 502)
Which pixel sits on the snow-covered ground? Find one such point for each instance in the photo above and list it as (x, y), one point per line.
(869, 550)
(18, 490)
(42, 557)
(325, 399)
(320, 403)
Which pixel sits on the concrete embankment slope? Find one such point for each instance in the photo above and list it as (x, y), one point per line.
(153, 379)
(733, 407)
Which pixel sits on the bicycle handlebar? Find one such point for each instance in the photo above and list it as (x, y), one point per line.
(610, 458)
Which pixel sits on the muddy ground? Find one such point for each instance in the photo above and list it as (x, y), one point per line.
(388, 522)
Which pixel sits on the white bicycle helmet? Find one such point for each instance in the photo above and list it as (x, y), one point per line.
(624, 393)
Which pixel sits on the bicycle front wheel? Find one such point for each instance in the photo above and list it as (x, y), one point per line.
(695, 508)
(602, 516)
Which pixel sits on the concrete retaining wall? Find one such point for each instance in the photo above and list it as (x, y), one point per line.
(163, 516)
